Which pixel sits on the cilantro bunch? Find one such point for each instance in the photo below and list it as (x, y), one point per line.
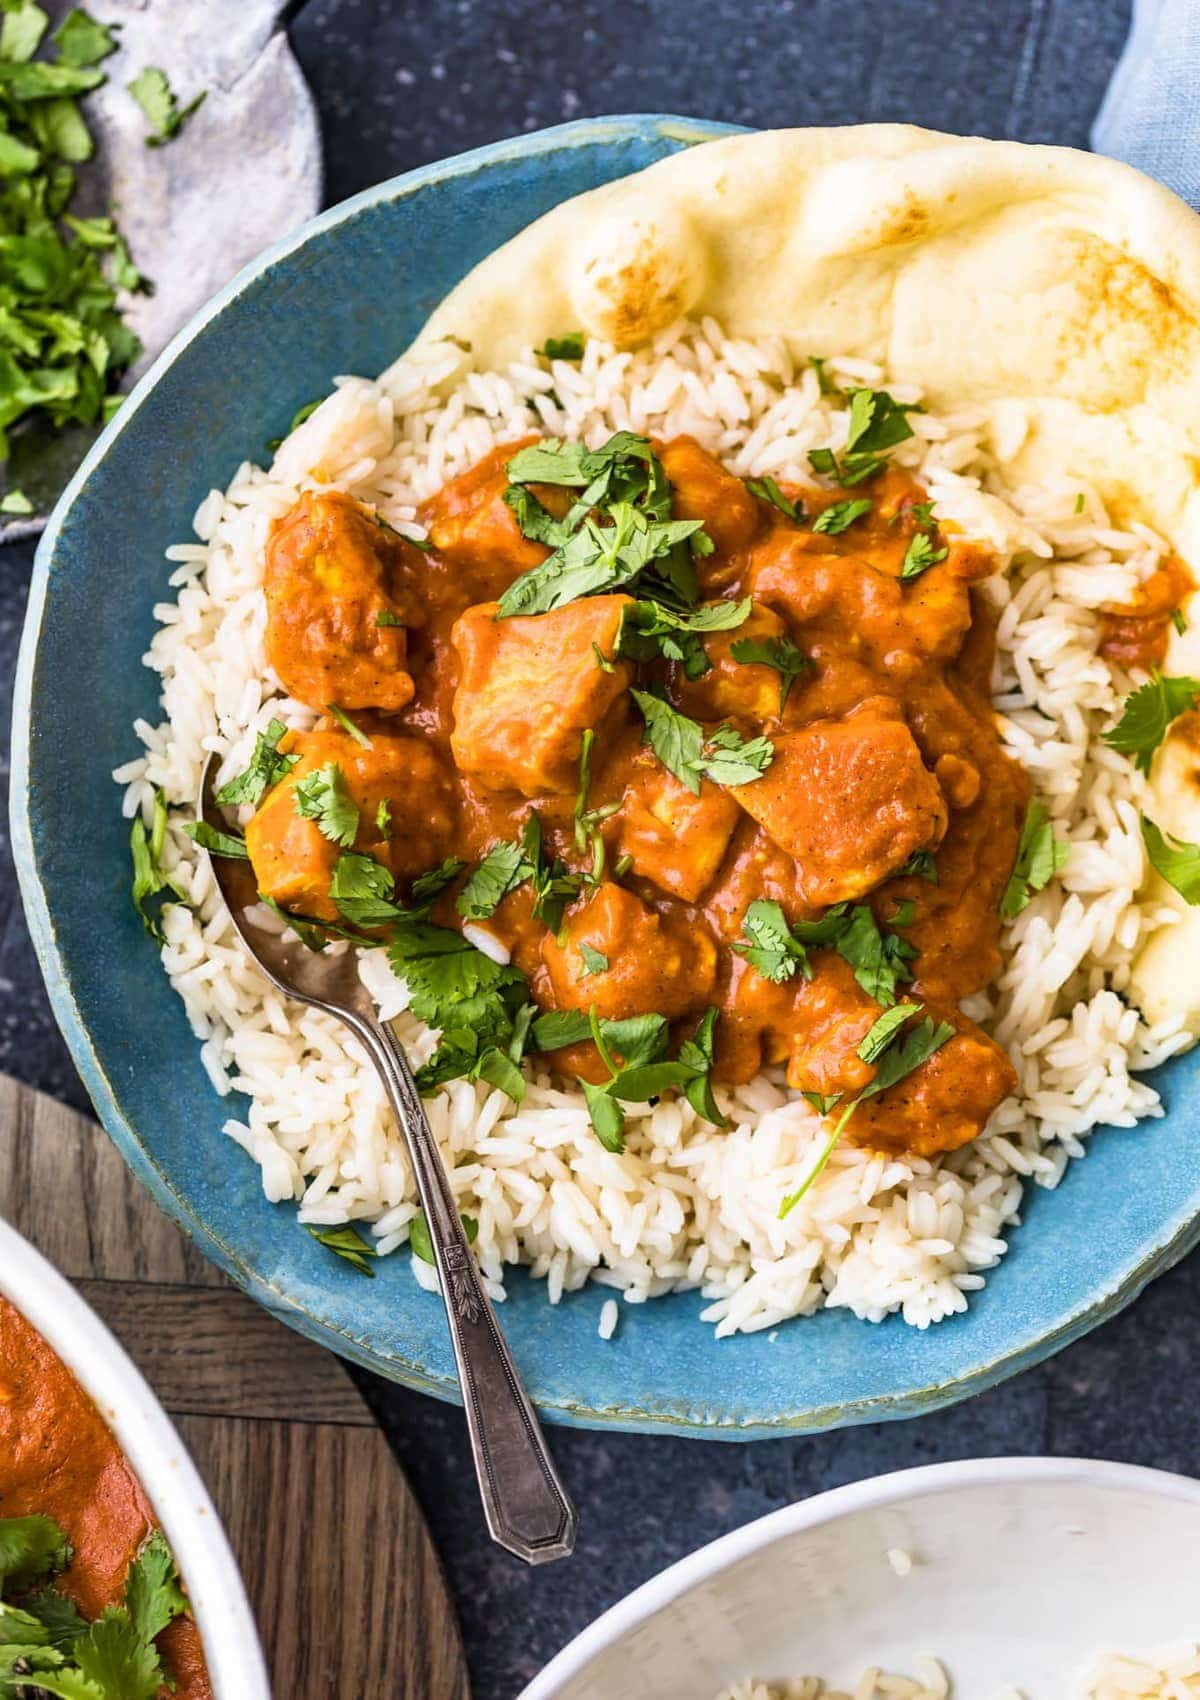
(48, 1648)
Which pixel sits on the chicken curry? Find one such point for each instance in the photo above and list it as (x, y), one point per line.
(677, 775)
(79, 1544)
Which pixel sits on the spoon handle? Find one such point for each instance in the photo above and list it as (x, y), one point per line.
(526, 1506)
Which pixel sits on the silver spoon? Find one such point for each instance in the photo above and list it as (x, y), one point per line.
(525, 1504)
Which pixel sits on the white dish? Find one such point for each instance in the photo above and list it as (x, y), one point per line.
(159, 1459)
(1023, 1570)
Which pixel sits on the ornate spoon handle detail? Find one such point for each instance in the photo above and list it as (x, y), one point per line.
(526, 1506)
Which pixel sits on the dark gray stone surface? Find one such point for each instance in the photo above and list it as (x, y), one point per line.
(399, 85)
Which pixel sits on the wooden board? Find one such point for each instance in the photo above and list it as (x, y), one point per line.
(339, 1567)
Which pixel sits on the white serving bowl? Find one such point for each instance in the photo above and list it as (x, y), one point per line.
(159, 1459)
(1023, 1569)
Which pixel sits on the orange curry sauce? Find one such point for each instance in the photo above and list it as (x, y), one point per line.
(59, 1458)
(887, 746)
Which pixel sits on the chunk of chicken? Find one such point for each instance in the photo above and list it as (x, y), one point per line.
(849, 799)
(751, 690)
(331, 574)
(702, 489)
(674, 838)
(654, 963)
(529, 687)
(293, 859)
(942, 1104)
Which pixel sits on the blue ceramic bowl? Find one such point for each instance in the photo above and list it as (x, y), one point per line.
(346, 295)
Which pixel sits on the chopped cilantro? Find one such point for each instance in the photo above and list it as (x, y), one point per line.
(1179, 620)
(474, 1002)
(1039, 857)
(879, 958)
(347, 725)
(769, 945)
(503, 868)
(348, 1244)
(649, 629)
(30, 1549)
(884, 1029)
(16, 502)
(778, 951)
(145, 849)
(554, 884)
(594, 961)
(1147, 713)
(82, 41)
(839, 516)
(422, 1245)
(1079, 502)
(429, 885)
(265, 769)
(767, 490)
(877, 423)
(157, 100)
(569, 346)
(920, 865)
(363, 890)
(920, 556)
(383, 818)
(617, 533)
(777, 652)
(1176, 860)
(322, 796)
(217, 843)
(385, 617)
(686, 751)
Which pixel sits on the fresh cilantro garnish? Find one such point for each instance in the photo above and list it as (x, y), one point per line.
(30, 1548)
(825, 383)
(149, 880)
(422, 1245)
(216, 842)
(594, 961)
(503, 869)
(767, 490)
(82, 41)
(1179, 620)
(920, 556)
(877, 423)
(153, 1597)
(15, 502)
(905, 911)
(898, 1054)
(363, 890)
(1147, 714)
(684, 748)
(648, 630)
(347, 725)
(322, 796)
(587, 821)
(157, 100)
(1176, 860)
(1039, 857)
(348, 1244)
(569, 346)
(839, 516)
(921, 866)
(777, 652)
(429, 885)
(265, 769)
(554, 884)
(385, 617)
(310, 933)
(618, 531)
(476, 1003)
(778, 951)
(383, 819)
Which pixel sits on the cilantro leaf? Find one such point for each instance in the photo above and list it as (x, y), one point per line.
(780, 653)
(879, 959)
(1039, 857)
(730, 759)
(152, 1592)
(884, 1029)
(363, 889)
(56, 1614)
(1147, 713)
(15, 501)
(347, 725)
(82, 41)
(569, 346)
(594, 961)
(348, 1244)
(145, 849)
(770, 946)
(839, 516)
(157, 100)
(385, 617)
(680, 744)
(768, 491)
(877, 423)
(607, 1116)
(1176, 860)
(265, 769)
(649, 629)
(920, 865)
(30, 1548)
(420, 1242)
(321, 796)
(503, 868)
(217, 843)
(906, 1053)
(920, 556)
(429, 885)
(697, 1054)
(24, 26)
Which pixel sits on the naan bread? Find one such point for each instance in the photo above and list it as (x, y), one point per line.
(982, 271)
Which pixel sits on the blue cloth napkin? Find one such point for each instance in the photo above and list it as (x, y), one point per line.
(1151, 114)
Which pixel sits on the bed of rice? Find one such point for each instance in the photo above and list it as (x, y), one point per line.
(686, 1205)
(1170, 1674)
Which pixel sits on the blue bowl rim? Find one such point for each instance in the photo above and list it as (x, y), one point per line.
(1157, 1252)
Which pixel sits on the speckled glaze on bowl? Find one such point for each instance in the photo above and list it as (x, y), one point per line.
(345, 295)
(159, 1458)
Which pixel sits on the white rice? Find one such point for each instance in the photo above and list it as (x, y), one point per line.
(686, 1205)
